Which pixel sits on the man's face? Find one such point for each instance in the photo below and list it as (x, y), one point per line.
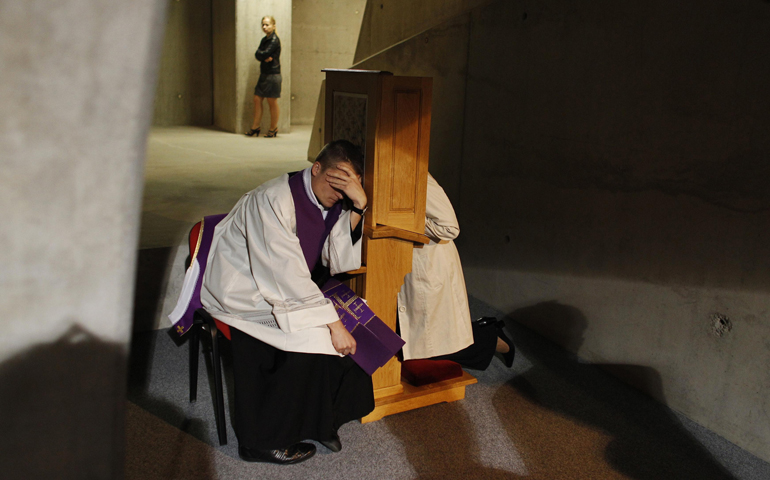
(325, 193)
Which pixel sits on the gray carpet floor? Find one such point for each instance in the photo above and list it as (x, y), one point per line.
(549, 417)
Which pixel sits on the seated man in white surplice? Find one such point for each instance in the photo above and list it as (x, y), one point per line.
(269, 256)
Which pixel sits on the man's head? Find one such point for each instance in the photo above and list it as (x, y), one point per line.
(333, 154)
(341, 151)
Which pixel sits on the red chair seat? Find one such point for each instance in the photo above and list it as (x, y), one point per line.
(224, 328)
(194, 234)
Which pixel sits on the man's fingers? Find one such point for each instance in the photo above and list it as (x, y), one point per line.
(345, 168)
(349, 172)
(331, 177)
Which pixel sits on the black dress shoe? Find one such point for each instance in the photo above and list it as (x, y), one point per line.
(334, 444)
(296, 453)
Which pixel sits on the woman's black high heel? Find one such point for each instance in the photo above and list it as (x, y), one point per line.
(499, 324)
(507, 356)
(271, 133)
(252, 132)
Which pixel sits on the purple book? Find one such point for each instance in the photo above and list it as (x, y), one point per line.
(376, 343)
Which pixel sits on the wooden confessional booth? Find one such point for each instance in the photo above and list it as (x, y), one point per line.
(389, 118)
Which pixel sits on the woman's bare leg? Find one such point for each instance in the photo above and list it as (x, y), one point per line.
(257, 112)
(274, 112)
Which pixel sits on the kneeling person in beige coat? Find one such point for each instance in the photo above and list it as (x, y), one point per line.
(433, 313)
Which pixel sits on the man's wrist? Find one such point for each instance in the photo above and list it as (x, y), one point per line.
(336, 325)
(357, 210)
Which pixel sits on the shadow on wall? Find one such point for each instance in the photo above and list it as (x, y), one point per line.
(580, 423)
(63, 406)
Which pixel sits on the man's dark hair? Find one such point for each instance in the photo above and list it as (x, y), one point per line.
(341, 151)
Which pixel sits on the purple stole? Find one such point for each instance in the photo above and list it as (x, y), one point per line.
(376, 342)
(189, 301)
(312, 229)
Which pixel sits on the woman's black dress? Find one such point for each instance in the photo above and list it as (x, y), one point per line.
(269, 83)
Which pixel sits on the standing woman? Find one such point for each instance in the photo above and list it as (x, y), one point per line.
(269, 83)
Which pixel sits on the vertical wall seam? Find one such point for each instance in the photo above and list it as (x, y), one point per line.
(462, 132)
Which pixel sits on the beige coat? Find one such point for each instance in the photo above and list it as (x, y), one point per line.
(433, 304)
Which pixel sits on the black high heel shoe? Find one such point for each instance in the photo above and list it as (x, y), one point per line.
(499, 324)
(252, 132)
(511, 353)
(484, 321)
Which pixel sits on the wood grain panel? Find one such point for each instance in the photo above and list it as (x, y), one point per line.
(406, 135)
(416, 397)
(368, 83)
(383, 231)
(388, 262)
(403, 142)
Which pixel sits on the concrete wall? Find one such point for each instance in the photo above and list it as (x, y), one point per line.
(184, 92)
(208, 59)
(223, 41)
(440, 53)
(388, 22)
(237, 27)
(324, 34)
(76, 89)
(615, 165)
(248, 34)
(612, 188)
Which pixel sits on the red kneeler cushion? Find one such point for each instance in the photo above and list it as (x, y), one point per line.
(423, 372)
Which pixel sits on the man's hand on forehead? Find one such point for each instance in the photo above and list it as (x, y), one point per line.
(347, 167)
(340, 174)
(343, 177)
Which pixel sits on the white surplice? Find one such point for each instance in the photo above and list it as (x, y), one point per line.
(257, 279)
(433, 312)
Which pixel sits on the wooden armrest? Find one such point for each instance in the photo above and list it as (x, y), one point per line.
(358, 271)
(384, 231)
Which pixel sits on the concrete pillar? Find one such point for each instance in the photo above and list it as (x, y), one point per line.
(237, 33)
(77, 90)
(183, 95)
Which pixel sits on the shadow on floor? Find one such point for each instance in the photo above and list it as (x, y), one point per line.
(440, 444)
(142, 370)
(580, 422)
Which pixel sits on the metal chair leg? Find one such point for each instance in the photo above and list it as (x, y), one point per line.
(219, 398)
